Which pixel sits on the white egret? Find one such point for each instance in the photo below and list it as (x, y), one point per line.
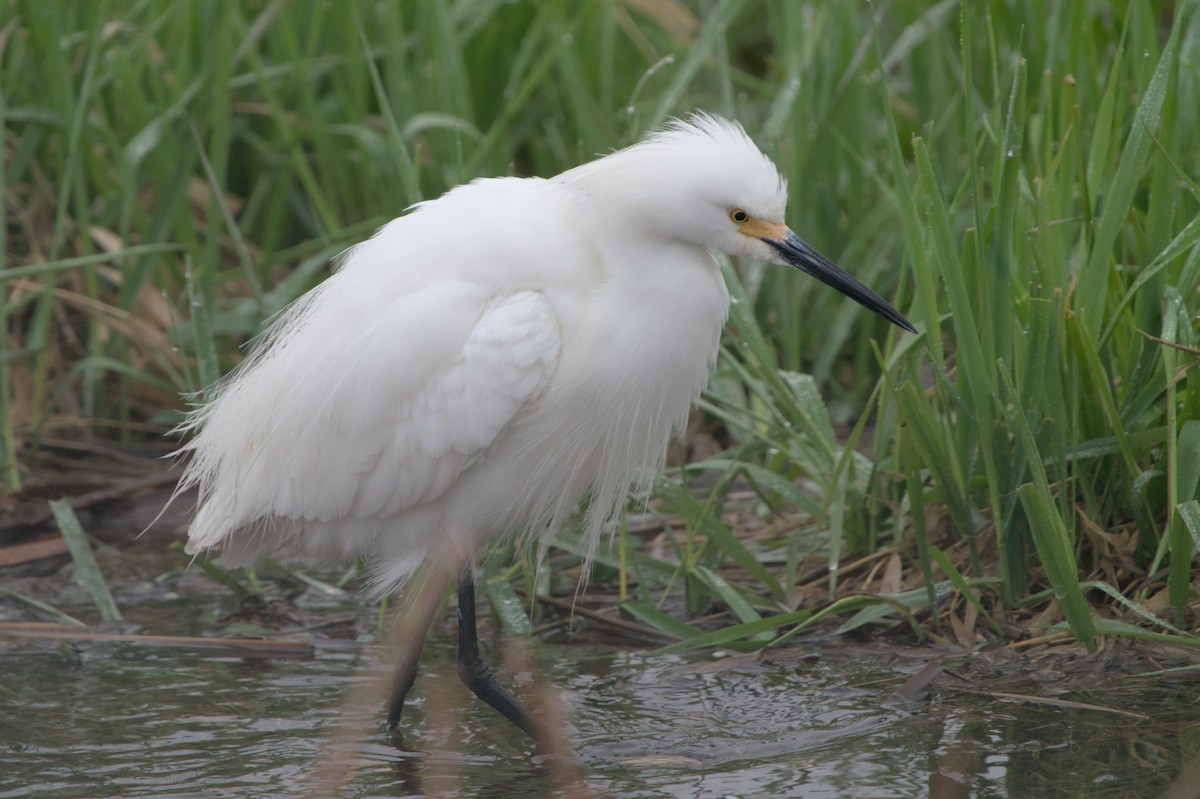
(488, 359)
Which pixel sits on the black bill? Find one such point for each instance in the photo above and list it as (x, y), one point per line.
(796, 252)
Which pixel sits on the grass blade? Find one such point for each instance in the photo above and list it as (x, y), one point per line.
(1050, 538)
(663, 622)
(1118, 199)
(508, 607)
(87, 572)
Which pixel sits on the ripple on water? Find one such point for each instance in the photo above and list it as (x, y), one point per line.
(120, 721)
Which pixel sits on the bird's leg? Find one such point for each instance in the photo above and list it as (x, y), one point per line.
(471, 668)
(402, 682)
(410, 632)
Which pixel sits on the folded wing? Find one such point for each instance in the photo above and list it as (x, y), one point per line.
(362, 410)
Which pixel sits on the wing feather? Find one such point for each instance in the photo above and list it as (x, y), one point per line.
(362, 412)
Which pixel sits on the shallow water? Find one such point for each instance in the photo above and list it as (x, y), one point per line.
(122, 720)
(94, 719)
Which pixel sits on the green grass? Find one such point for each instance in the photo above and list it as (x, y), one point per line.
(1021, 179)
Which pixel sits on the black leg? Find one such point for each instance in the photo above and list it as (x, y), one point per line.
(411, 630)
(402, 682)
(471, 668)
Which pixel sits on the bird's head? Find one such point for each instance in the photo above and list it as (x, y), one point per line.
(703, 181)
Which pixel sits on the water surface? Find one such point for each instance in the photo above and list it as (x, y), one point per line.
(86, 719)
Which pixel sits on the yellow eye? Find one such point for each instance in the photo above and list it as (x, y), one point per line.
(739, 216)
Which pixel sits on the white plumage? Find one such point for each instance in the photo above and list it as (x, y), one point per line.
(487, 359)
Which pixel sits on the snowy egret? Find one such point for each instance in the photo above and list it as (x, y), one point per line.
(488, 359)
